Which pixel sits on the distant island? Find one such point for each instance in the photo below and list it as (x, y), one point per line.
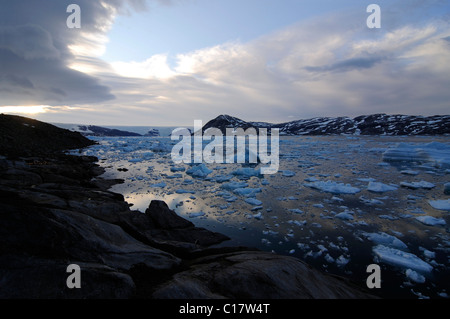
(375, 124)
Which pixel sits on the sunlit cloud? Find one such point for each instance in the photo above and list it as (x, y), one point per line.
(27, 110)
(154, 67)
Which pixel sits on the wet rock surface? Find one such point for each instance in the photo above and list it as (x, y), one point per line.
(56, 210)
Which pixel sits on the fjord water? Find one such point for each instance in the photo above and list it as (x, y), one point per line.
(340, 203)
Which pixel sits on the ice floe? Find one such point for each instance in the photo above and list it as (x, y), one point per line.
(401, 259)
(378, 187)
(430, 221)
(385, 239)
(443, 204)
(434, 153)
(333, 187)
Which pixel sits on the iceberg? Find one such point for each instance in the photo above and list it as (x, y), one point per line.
(401, 259)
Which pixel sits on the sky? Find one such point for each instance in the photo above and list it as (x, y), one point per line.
(170, 62)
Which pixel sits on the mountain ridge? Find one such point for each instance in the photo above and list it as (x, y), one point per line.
(374, 124)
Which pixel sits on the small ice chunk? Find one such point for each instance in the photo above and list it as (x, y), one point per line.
(195, 215)
(378, 187)
(333, 187)
(234, 185)
(414, 276)
(347, 215)
(447, 188)
(200, 171)
(443, 204)
(247, 192)
(288, 173)
(431, 221)
(417, 185)
(247, 172)
(296, 211)
(184, 191)
(409, 172)
(342, 261)
(253, 201)
(258, 216)
(400, 258)
(385, 239)
(161, 184)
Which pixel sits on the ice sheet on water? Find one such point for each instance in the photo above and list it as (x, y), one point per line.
(253, 201)
(347, 215)
(333, 187)
(417, 185)
(443, 204)
(234, 185)
(435, 153)
(247, 192)
(386, 240)
(247, 172)
(401, 259)
(378, 187)
(414, 276)
(430, 220)
(195, 215)
(161, 185)
(200, 171)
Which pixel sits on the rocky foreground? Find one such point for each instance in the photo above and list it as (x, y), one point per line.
(56, 210)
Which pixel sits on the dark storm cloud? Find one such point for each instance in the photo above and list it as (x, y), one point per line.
(347, 65)
(35, 55)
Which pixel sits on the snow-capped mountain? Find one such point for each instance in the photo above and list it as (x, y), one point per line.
(375, 124)
(93, 130)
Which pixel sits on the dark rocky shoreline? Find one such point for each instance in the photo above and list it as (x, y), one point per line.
(56, 210)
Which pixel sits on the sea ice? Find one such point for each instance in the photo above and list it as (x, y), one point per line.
(200, 171)
(414, 276)
(447, 188)
(195, 215)
(247, 172)
(161, 184)
(417, 185)
(296, 211)
(386, 240)
(434, 153)
(333, 187)
(234, 185)
(253, 201)
(288, 173)
(378, 187)
(347, 215)
(431, 221)
(443, 204)
(400, 258)
(247, 192)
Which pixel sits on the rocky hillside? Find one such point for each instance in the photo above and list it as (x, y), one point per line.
(24, 136)
(376, 124)
(56, 210)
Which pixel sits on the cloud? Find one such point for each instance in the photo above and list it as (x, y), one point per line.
(38, 51)
(330, 65)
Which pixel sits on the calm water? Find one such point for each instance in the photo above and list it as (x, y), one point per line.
(327, 230)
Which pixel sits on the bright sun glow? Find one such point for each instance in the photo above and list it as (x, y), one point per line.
(33, 109)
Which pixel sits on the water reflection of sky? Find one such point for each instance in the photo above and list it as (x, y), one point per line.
(296, 219)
